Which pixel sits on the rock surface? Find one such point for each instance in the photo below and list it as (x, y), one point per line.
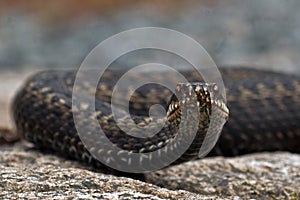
(257, 176)
(25, 172)
(30, 174)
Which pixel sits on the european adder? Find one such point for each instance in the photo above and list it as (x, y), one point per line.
(264, 113)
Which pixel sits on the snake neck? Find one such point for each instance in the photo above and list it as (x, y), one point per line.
(189, 112)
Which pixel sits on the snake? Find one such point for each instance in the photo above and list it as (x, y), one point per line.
(262, 113)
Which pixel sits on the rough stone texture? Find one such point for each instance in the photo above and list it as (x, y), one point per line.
(25, 172)
(30, 174)
(259, 176)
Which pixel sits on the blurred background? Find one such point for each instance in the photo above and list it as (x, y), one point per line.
(37, 34)
(53, 34)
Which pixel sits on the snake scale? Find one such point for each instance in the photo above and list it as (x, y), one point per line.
(264, 113)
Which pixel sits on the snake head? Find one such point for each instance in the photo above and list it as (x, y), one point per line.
(196, 101)
(188, 96)
(196, 94)
(198, 107)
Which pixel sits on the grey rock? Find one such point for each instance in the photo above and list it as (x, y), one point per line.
(257, 176)
(29, 174)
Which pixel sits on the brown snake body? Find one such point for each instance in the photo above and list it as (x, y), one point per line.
(264, 114)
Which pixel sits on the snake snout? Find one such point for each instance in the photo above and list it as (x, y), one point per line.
(193, 94)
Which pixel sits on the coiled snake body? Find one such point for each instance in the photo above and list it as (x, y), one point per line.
(264, 113)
